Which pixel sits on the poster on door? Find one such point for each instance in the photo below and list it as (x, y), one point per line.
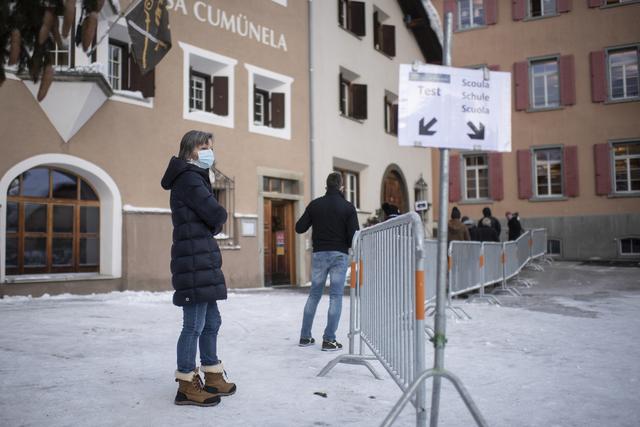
(279, 242)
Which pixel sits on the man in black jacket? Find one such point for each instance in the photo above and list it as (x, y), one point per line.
(334, 221)
(495, 224)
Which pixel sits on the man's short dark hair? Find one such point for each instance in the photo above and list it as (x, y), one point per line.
(455, 213)
(334, 180)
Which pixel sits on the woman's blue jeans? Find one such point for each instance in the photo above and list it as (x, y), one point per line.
(200, 325)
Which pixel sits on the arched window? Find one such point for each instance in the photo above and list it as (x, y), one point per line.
(53, 223)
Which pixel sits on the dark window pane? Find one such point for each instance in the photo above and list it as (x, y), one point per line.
(89, 252)
(86, 192)
(35, 217)
(12, 252)
(63, 219)
(290, 187)
(35, 182)
(625, 246)
(35, 252)
(553, 247)
(65, 185)
(89, 219)
(62, 252)
(14, 188)
(635, 245)
(12, 217)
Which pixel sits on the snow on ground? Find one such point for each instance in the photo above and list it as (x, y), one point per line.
(565, 354)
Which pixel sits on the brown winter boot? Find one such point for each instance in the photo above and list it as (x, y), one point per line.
(214, 381)
(191, 392)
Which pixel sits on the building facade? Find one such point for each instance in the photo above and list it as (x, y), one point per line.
(81, 207)
(356, 50)
(574, 168)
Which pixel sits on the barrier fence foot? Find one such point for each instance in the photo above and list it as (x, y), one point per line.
(534, 267)
(507, 291)
(351, 359)
(429, 331)
(457, 311)
(484, 298)
(460, 388)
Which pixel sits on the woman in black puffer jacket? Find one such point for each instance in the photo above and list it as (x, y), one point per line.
(196, 268)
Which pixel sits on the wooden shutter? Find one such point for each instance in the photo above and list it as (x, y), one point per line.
(359, 97)
(490, 12)
(454, 178)
(570, 171)
(394, 119)
(356, 14)
(451, 6)
(564, 6)
(524, 174)
(518, 9)
(494, 67)
(521, 80)
(567, 80)
(145, 84)
(496, 186)
(389, 40)
(602, 157)
(277, 110)
(597, 62)
(595, 3)
(221, 95)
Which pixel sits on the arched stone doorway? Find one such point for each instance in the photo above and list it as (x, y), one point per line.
(394, 188)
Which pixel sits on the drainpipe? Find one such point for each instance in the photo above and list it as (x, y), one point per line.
(311, 101)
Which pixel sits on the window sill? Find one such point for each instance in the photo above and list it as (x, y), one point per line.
(57, 277)
(472, 28)
(630, 194)
(283, 133)
(208, 118)
(475, 202)
(538, 18)
(134, 98)
(543, 109)
(361, 212)
(622, 101)
(549, 199)
(361, 121)
(346, 30)
(230, 247)
(609, 6)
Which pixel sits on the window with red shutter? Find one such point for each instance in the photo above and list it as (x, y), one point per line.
(518, 9)
(602, 157)
(564, 6)
(598, 76)
(450, 6)
(570, 169)
(496, 187)
(454, 178)
(524, 174)
(491, 11)
(567, 80)
(521, 81)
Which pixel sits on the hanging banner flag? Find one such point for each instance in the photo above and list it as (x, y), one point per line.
(148, 24)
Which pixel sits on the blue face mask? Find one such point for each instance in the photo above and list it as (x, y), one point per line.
(205, 159)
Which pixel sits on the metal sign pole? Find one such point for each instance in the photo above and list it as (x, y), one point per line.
(440, 326)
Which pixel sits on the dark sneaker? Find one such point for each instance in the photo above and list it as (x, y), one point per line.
(306, 342)
(331, 345)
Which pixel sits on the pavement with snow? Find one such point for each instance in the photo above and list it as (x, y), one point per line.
(565, 354)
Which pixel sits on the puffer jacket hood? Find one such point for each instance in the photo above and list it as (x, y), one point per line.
(175, 168)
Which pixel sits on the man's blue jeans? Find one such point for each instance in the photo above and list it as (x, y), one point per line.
(334, 264)
(200, 325)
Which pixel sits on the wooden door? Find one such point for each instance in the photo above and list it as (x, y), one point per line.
(268, 248)
(394, 192)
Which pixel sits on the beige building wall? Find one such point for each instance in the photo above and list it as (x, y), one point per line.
(577, 33)
(339, 140)
(133, 143)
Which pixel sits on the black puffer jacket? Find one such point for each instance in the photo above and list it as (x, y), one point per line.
(196, 260)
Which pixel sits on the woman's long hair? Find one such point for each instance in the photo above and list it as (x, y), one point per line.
(192, 140)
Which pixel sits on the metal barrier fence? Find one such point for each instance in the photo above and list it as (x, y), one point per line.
(389, 295)
(387, 303)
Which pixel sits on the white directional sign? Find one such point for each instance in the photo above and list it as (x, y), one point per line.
(454, 108)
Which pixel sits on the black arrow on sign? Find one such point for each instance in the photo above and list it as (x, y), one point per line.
(477, 133)
(424, 130)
